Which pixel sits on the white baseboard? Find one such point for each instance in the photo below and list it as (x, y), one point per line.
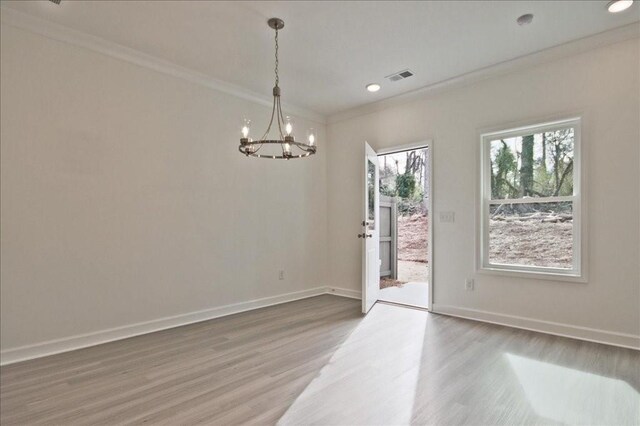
(624, 340)
(344, 292)
(80, 341)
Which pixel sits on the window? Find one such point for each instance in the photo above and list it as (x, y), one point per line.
(531, 206)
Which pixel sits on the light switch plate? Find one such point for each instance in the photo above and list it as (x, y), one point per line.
(447, 217)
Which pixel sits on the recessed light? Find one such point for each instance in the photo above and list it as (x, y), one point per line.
(616, 6)
(525, 19)
(373, 87)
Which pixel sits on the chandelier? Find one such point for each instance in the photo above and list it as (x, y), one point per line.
(284, 145)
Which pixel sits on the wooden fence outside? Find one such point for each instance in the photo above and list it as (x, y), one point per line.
(388, 237)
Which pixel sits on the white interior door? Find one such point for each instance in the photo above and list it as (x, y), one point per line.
(370, 231)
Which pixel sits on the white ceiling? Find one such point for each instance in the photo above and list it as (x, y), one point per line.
(329, 51)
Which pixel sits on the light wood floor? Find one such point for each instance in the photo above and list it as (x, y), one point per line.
(318, 361)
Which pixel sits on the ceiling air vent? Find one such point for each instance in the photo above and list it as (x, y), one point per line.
(400, 75)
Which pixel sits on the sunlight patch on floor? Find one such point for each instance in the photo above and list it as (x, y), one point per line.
(572, 396)
(360, 373)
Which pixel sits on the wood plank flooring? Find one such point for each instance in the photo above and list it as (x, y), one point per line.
(318, 361)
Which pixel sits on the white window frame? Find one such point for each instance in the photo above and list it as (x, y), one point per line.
(576, 273)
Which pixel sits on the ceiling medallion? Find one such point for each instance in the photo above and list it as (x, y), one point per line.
(284, 146)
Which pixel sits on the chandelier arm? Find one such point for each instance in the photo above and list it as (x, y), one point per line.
(279, 112)
(258, 148)
(278, 157)
(273, 108)
(280, 119)
(306, 149)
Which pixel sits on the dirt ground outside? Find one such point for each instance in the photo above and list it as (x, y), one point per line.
(407, 272)
(386, 282)
(413, 238)
(539, 239)
(412, 271)
(532, 241)
(412, 251)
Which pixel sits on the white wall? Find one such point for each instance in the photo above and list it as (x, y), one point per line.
(603, 86)
(124, 198)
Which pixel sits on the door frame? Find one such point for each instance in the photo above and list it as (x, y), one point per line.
(409, 147)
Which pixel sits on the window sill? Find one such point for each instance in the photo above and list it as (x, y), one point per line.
(534, 275)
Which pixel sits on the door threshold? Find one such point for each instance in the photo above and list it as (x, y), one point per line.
(404, 305)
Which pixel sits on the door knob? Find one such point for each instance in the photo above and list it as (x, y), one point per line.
(365, 235)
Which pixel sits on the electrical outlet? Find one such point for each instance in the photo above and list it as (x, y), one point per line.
(281, 275)
(468, 284)
(448, 217)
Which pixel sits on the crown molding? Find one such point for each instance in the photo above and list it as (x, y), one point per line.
(564, 50)
(68, 35)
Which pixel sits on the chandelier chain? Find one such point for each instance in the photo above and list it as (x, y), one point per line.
(277, 77)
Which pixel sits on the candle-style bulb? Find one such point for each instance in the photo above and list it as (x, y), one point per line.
(288, 126)
(311, 137)
(246, 128)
